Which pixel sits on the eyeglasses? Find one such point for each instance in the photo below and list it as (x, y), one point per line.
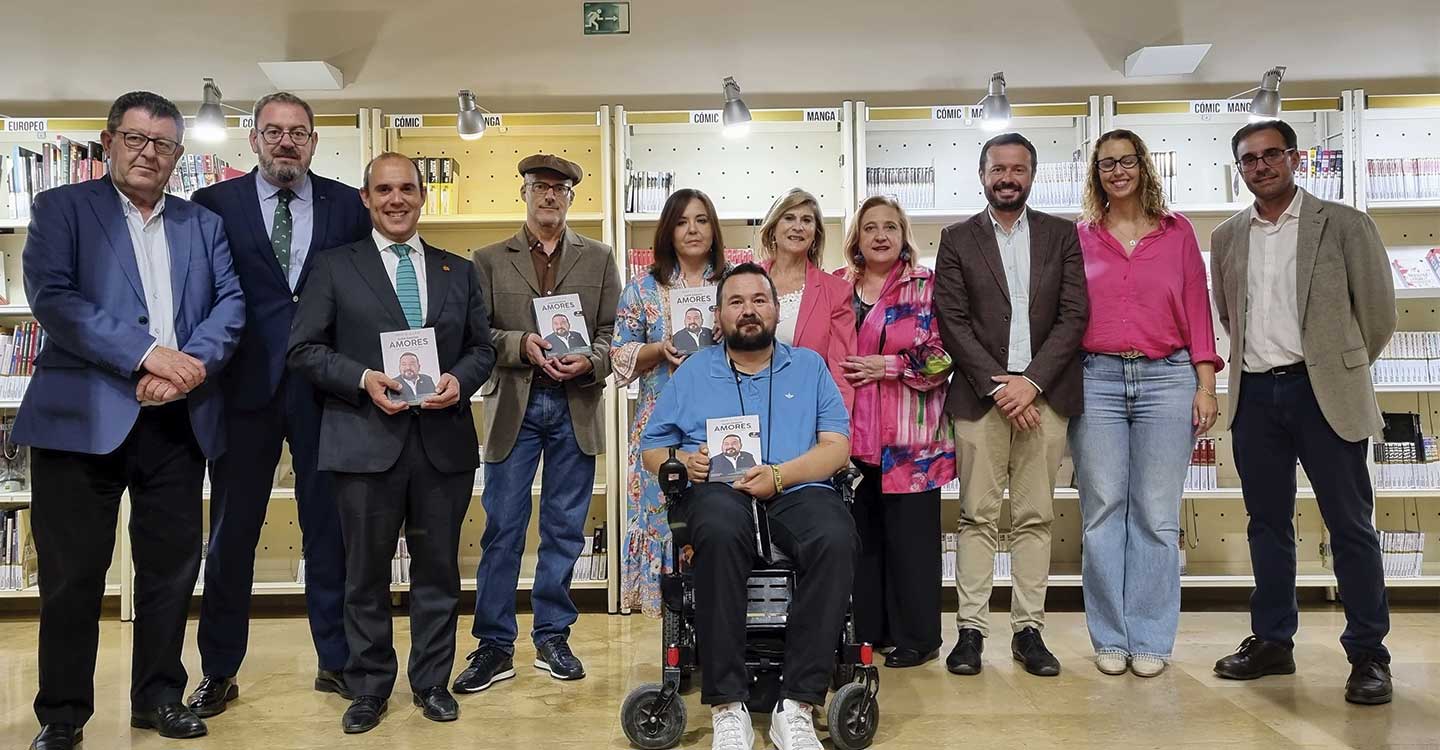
(1128, 161)
(298, 136)
(560, 191)
(138, 141)
(1272, 157)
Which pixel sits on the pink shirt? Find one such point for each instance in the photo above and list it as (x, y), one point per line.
(1154, 300)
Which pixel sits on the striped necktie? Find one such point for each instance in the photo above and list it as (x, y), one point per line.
(407, 287)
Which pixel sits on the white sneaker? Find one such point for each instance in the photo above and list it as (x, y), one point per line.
(1111, 663)
(792, 727)
(731, 723)
(1144, 665)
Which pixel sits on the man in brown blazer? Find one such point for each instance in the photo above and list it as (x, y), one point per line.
(1010, 293)
(1303, 288)
(537, 406)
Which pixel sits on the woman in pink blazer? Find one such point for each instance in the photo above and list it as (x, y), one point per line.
(815, 309)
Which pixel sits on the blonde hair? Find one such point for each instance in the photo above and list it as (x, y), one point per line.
(786, 203)
(1095, 203)
(854, 258)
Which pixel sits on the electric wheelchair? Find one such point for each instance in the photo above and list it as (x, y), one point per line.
(653, 715)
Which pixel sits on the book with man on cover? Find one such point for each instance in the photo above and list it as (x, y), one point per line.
(561, 323)
(734, 445)
(412, 360)
(692, 319)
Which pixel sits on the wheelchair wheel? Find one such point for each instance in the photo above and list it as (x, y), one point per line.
(647, 729)
(853, 718)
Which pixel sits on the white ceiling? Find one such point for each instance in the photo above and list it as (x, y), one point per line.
(530, 55)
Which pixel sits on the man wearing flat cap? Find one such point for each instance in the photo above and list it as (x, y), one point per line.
(537, 406)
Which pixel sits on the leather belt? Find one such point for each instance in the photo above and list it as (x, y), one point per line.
(1132, 354)
(1296, 368)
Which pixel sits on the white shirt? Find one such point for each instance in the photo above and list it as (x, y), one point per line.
(1272, 313)
(302, 219)
(789, 316)
(1015, 256)
(152, 257)
(392, 263)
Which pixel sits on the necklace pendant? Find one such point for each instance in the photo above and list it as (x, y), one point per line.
(1132, 242)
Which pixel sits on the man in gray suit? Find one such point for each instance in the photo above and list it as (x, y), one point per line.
(537, 405)
(1303, 288)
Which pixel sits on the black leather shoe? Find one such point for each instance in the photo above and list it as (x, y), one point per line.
(212, 695)
(438, 704)
(332, 682)
(1369, 683)
(172, 720)
(57, 737)
(1028, 648)
(1256, 658)
(488, 665)
(554, 656)
(965, 657)
(909, 657)
(363, 714)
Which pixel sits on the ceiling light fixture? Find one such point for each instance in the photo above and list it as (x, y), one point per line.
(209, 122)
(736, 116)
(1266, 104)
(995, 107)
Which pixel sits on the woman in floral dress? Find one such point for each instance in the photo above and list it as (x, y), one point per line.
(689, 252)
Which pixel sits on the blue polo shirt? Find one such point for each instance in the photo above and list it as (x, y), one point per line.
(704, 387)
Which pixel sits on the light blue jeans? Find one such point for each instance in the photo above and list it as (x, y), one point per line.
(1132, 450)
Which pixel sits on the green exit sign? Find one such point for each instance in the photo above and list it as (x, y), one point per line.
(607, 18)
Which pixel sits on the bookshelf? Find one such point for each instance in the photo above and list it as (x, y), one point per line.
(948, 139)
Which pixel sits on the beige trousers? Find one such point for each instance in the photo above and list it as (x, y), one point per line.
(991, 455)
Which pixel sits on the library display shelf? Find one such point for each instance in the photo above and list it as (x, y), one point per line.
(1234, 493)
(283, 588)
(33, 592)
(1399, 206)
(18, 225)
(831, 214)
(288, 493)
(507, 220)
(15, 311)
(1236, 575)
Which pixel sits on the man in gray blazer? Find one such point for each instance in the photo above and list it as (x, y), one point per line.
(537, 405)
(1303, 288)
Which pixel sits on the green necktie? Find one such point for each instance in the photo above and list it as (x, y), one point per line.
(283, 229)
(407, 287)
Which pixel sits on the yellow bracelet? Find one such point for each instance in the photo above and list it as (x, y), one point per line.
(1206, 391)
(779, 483)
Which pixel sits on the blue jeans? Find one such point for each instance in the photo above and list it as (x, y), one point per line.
(1132, 449)
(566, 489)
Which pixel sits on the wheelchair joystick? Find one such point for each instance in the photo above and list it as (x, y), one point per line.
(673, 478)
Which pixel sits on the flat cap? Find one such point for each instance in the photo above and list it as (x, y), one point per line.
(552, 163)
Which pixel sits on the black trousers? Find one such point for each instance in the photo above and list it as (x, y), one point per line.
(430, 505)
(898, 573)
(76, 503)
(1278, 420)
(812, 527)
(241, 482)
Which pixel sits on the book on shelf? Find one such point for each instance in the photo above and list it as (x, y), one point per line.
(592, 564)
(1166, 165)
(1058, 184)
(1402, 553)
(18, 349)
(59, 161)
(18, 568)
(1203, 473)
(1414, 273)
(440, 175)
(1321, 172)
(645, 192)
(1410, 358)
(913, 187)
(1405, 458)
(1410, 178)
(195, 171)
(14, 459)
(400, 563)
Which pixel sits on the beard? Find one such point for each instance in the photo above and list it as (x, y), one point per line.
(282, 173)
(750, 342)
(1012, 205)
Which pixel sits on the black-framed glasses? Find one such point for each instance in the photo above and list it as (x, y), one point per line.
(138, 141)
(1271, 156)
(1128, 161)
(298, 136)
(561, 190)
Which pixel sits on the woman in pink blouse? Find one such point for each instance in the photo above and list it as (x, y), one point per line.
(1150, 366)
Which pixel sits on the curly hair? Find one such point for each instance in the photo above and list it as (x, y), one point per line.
(1096, 203)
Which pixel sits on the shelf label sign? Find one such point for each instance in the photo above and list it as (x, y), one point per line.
(1205, 107)
(831, 114)
(407, 121)
(705, 117)
(606, 18)
(247, 122)
(966, 113)
(25, 125)
(494, 121)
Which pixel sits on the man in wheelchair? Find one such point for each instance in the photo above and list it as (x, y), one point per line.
(804, 440)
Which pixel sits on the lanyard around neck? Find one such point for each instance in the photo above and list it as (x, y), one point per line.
(769, 398)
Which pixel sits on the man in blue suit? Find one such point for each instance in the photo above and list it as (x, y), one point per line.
(141, 309)
(277, 218)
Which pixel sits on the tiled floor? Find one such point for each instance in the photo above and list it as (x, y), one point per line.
(920, 708)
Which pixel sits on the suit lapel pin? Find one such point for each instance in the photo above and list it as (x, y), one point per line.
(444, 268)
